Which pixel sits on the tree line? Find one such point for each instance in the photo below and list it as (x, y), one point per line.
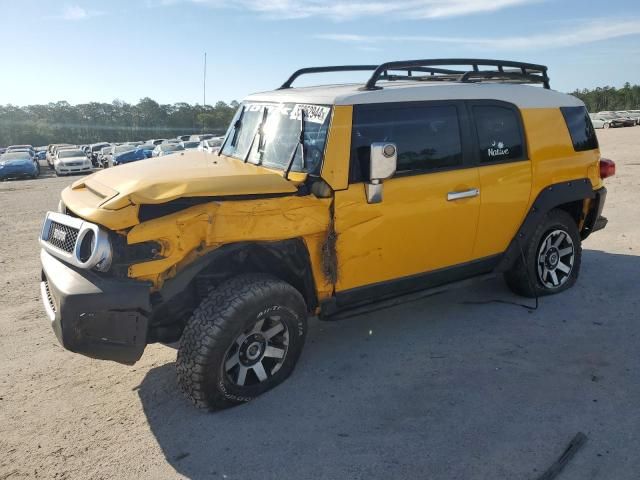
(61, 122)
(610, 98)
(119, 121)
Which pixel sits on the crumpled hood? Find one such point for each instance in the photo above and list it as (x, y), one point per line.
(185, 174)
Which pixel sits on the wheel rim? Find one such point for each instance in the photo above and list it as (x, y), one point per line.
(258, 353)
(555, 259)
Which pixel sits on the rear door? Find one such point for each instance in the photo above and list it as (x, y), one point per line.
(505, 173)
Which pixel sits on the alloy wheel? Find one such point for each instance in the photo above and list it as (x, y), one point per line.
(258, 353)
(556, 256)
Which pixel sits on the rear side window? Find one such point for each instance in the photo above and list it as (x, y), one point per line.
(500, 137)
(427, 137)
(580, 128)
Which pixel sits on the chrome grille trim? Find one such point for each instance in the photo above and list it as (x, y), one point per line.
(62, 236)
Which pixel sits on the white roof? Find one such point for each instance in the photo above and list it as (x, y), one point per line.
(524, 96)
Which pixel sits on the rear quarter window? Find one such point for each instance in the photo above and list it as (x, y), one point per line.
(500, 135)
(583, 135)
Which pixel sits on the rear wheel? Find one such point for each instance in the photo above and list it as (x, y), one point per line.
(242, 340)
(551, 258)
(607, 125)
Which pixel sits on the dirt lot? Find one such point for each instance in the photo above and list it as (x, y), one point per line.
(438, 389)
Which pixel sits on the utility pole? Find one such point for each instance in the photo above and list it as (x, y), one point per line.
(204, 89)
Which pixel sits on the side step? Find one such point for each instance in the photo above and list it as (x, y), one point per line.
(402, 299)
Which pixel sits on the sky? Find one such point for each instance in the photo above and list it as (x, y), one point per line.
(90, 50)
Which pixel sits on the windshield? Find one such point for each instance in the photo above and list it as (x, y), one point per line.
(16, 156)
(191, 144)
(71, 153)
(170, 147)
(124, 148)
(274, 144)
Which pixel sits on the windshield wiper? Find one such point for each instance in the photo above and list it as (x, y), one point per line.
(299, 144)
(236, 131)
(259, 132)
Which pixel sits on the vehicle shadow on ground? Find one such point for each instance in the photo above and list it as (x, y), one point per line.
(444, 387)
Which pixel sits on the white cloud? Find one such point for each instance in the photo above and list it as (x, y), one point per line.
(76, 12)
(341, 10)
(571, 36)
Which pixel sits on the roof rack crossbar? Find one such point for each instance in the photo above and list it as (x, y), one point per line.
(511, 76)
(531, 73)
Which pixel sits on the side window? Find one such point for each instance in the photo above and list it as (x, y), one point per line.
(500, 136)
(427, 137)
(580, 128)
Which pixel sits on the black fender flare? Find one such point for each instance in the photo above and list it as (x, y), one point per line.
(288, 260)
(548, 199)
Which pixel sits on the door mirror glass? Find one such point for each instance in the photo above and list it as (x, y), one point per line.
(384, 158)
(383, 162)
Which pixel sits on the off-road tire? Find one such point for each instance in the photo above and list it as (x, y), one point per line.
(221, 318)
(523, 277)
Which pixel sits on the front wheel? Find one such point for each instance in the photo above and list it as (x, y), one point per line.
(242, 340)
(551, 258)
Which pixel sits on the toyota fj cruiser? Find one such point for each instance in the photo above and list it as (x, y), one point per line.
(324, 199)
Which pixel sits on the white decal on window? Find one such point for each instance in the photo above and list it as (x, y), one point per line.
(312, 113)
(497, 149)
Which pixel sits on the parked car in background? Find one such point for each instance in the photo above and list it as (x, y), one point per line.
(608, 120)
(41, 155)
(17, 164)
(173, 141)
(12, 148)
(129, 156)
(200, 137)
(167, 149)
(147, 149)
(183, 138)
(70, 161)
(633, 115)
(2, 150)
(212, 145)
(156, 141)
(189, 145)
(622, 121)
(53, 149)
(114, 151)
(94, 152)
(597, 121)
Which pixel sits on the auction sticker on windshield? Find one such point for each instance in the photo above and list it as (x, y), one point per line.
(312, 113)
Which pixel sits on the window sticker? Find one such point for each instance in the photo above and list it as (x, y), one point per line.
(497, 149)
(312, 113)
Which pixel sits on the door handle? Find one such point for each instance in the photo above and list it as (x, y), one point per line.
(474, 192)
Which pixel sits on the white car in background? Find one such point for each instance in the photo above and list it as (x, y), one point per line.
(70, 161)
(211, 145)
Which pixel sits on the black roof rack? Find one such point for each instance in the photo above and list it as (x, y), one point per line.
(429, 70)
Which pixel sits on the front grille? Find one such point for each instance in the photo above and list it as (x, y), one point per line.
(62, 237)
(72, 164)
(52, 304)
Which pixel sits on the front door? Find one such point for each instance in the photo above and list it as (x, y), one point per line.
(427, 220)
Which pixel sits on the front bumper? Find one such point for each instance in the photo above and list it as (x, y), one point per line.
(98, 317)
(595, 221)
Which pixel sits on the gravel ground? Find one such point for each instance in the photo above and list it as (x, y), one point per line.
(439, 389)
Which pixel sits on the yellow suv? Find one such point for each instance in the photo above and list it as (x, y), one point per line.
(321, 200)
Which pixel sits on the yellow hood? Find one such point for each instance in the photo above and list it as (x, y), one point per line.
(110, 196)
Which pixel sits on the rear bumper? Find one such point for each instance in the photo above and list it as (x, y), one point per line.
(595, 221)
(98, 317)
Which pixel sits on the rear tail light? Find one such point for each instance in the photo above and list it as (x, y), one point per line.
(607, 168)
